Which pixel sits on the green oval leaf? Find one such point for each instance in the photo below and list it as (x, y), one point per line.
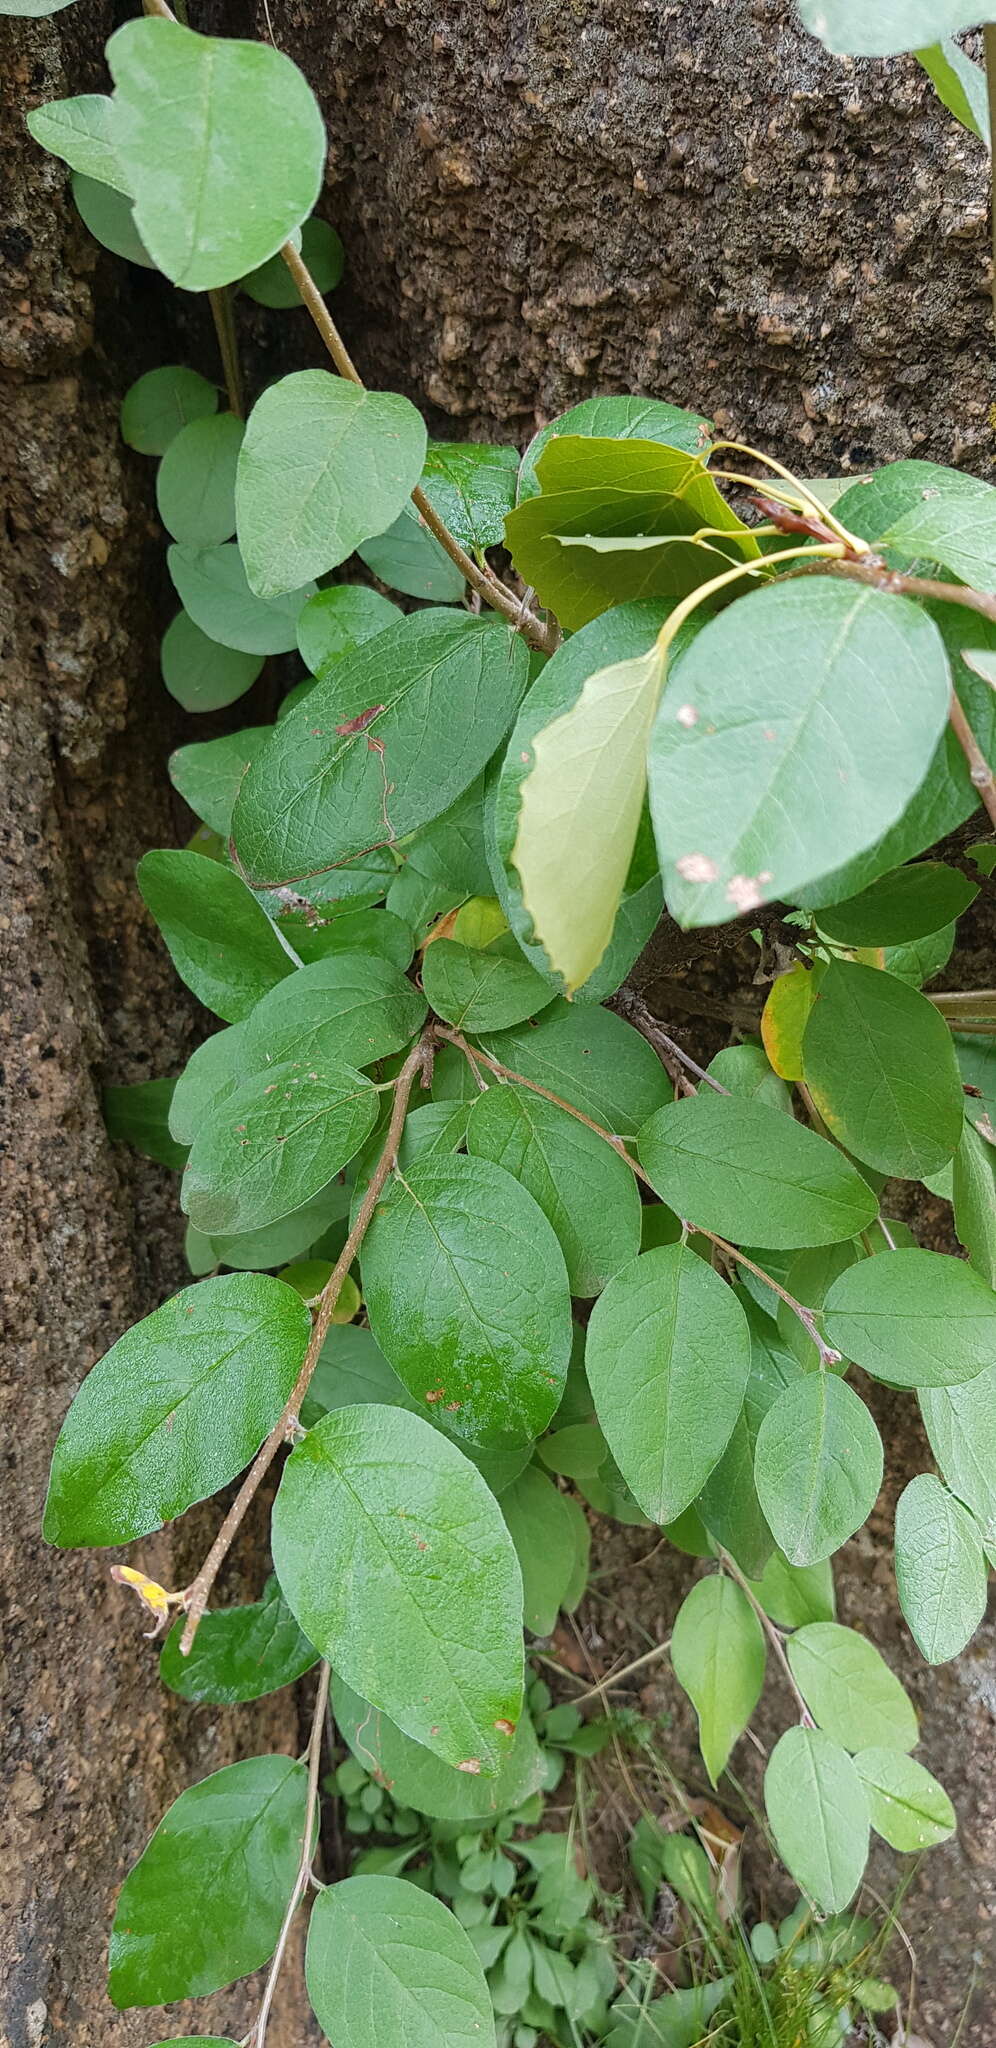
(211, 1072)
(852, 29)
(746, 1170)
(80, 131)
(157, 405)
(211, 585)
(913, 1318)
(409, 558)
(940, 1569)
(385, 743)
(175, 1409)
(908, 1808)
(325, 465)
(194, 118)
(468, 1298)
(436, 1638)
(910, 903)
(220, 941)
(275, 1142)
(471, 484)
(208, 773)
(584, 1189)
(110, 217)
(591, 1058)
(819, 1816)
(336, 621)
(239, 1653)
(881, 1068)
(204, 1903)
(818, 1467)
(389, 1966)
(353, 1008)
(758, 784)
(200, 673)
(480, 988)
(618, 418)
(718, 1654)
(961, 1427)
(140, 1115)
(195, 486)
(663, 1327)
(271, 284)
(849, 1688)
(541, 1525)
(416, 1778)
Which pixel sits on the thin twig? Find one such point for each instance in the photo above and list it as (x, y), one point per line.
(615, 1678)
(634, 1009)
(980, 773)
(199, 1591)
(314, 1754)
(989, 54)
(224, 327)
(484, 581)
(773, 1633)
(473, 1054)
(895, 584)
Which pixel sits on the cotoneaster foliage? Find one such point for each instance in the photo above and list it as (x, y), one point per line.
(464, 1223)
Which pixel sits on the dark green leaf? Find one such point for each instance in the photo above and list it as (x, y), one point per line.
(542, 1528)
(336, 621)
(910, 903)
(204, 1903)
(200, 673)
(157, 405)
(717, 1650)
(818, 1815)
(423, 1613)
(913, 1318)
(881, 1069)
(211, 1073)
(175, 1409)
(420, 1780)
(325, 465)
(940, 1569)
(728, 1504)
(974, 1196)
(353, 1008)
(444, 688)
(582, 1186)
(140, 1115)
(220, 941)
(483, 988)
(239, 1653)
(746, 1070)
(192, 157)
(591, 1058)
(389, 1966)
(321, 250)
(275, 1142)
(818, 1467)
(850, 1690)
(662, 1327)
(472, 486)
(290, 1237)
(743, 1169)
(409, 558)
(617, 418)
(468, 1297)
(759, 786)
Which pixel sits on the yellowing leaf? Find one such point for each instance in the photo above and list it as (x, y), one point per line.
(580, 810)
(784, 1019)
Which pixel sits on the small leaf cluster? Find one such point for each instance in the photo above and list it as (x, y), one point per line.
(461, 1224)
